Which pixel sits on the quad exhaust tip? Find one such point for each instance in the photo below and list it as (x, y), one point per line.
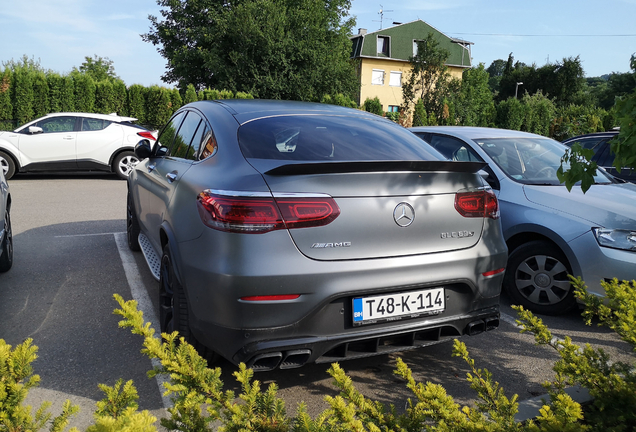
(480, 326)
(287, 360)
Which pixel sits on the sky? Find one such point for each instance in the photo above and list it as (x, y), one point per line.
(60, 34)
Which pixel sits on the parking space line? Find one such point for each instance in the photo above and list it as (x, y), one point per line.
(89, 235)
(509, 319)
(144, 304)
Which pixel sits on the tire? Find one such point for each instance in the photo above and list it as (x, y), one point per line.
(6, 259)
(132, 225)
(537, 279)
(173, 307)
(7, 165)
(124, 163)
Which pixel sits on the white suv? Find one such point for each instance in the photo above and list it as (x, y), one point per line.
(73, 142)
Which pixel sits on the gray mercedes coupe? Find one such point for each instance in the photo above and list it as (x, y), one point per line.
(283, 233)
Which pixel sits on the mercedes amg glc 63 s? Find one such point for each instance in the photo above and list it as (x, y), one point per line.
(288, 232)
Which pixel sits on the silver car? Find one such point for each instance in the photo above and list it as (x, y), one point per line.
(286, 232)
(550, 232)
(6, 236)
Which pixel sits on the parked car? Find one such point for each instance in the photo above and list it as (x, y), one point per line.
(6, 235)
(287, 232)
(550, 232)
(72, 142)
(603, 156)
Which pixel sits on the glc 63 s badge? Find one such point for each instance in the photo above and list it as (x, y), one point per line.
(457, 234)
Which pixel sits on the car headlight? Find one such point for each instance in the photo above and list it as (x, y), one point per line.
(616, 238)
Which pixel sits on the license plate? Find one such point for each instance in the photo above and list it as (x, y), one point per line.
(389, 307)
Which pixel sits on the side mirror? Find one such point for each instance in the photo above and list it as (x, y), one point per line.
(35, 130)
(143, 150)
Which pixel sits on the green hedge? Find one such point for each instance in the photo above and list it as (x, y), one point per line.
(27, 94)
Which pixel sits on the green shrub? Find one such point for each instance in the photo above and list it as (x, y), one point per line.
(41, 104)
(419, 114)
(120, 96)
(573, 120)
(104, 97)
(190, 95)
(539, 112)
(175, 100)
(84, 93)
(22, 96)
(136, 101)
(373, 105)
(16, 379)
(158, 106)
(6, 108)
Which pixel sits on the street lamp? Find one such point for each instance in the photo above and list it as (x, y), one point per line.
(517, 88)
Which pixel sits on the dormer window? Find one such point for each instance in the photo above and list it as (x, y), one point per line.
(383, 45)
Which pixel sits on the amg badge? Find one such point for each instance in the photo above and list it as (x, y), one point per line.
(330, 245)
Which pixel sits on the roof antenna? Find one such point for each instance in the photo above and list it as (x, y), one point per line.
(381, 13)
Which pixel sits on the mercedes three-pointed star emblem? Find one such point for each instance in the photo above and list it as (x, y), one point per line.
(404, 214)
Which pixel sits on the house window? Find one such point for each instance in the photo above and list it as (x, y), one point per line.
(377, 77)
(415, 47)
(395, 79)
(383, 45)
(394, 108)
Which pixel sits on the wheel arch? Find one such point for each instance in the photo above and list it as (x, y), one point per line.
(13, 157)
(116, 153)
(167, 237)
(521, 238)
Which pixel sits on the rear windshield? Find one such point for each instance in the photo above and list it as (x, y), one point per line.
(331, 138)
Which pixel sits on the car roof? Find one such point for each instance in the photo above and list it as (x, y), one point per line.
(593, 134)
(110, 117)
(245, 110)
(473, 132)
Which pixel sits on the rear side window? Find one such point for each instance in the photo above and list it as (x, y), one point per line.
(331, 138)
(91, 124)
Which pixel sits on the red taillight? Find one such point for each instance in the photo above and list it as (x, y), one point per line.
(480, 203)
(147, 135)
(271, 297)
(263, 214)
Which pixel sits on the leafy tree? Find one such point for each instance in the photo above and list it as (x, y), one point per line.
(420, 118)
(474, 104)
(276, 49)
(428, 79)
(98, 68)
(539, 112)
(576, 164)
(495, 72)
(24, 63)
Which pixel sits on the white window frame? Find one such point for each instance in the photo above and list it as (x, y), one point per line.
(392, 79)
(375, 74)
(388, 40)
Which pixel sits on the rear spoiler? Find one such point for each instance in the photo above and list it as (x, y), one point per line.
(375, 166)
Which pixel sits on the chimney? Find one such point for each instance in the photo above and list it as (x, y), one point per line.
(362, 31)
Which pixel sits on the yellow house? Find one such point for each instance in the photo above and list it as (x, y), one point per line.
(383, 59)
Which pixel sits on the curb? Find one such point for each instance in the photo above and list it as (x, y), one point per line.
(529, 408)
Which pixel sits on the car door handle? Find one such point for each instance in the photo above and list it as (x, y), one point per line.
(151, 167)
(172, 176)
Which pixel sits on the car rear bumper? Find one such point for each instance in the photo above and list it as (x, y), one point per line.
(318, 324)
